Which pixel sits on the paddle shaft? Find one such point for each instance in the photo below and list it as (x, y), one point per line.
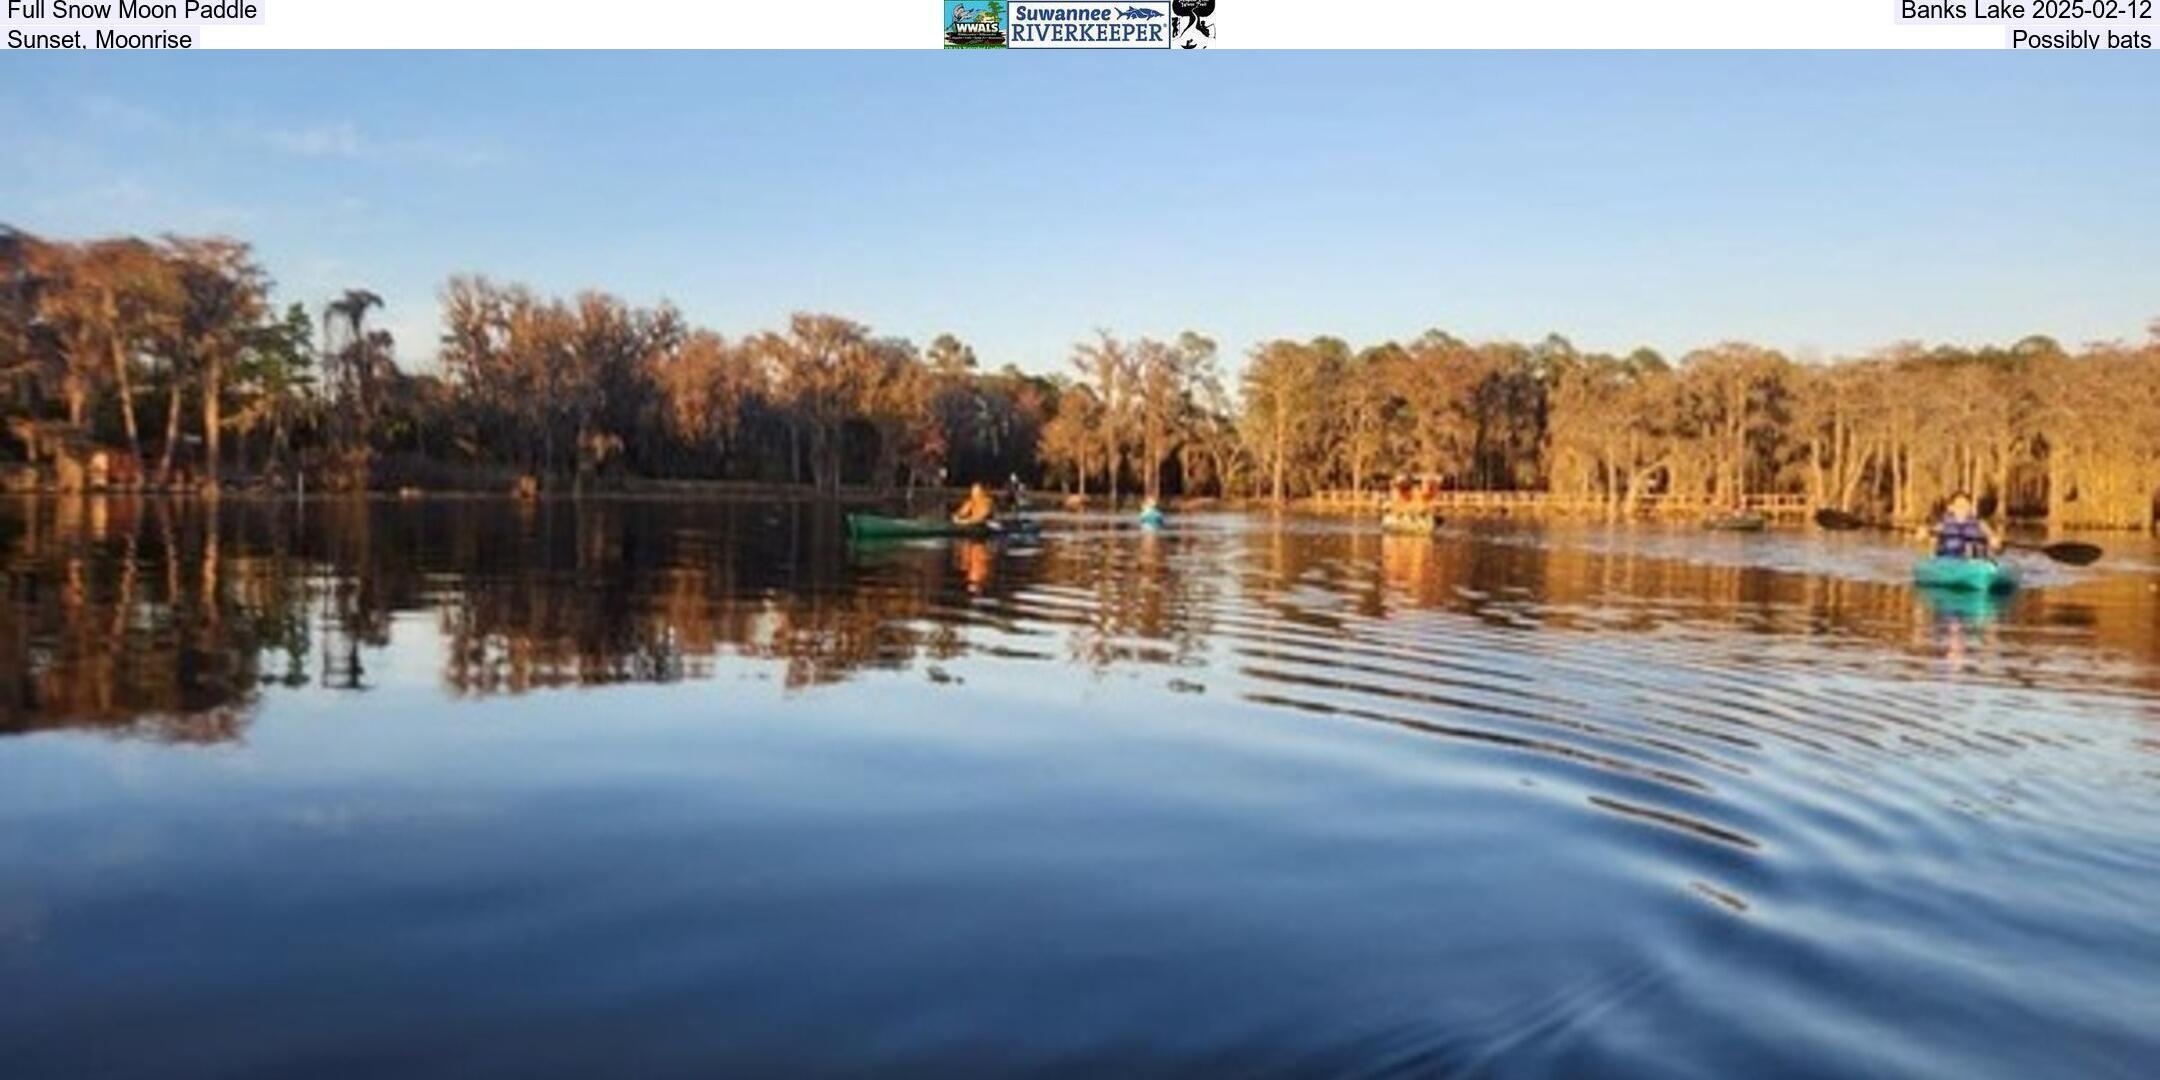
(2068, 551)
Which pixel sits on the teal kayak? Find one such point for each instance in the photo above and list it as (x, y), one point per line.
(1967, 575)
(880, 527)
(1151, 519)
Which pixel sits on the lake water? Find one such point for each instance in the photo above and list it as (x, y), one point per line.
(482, 789)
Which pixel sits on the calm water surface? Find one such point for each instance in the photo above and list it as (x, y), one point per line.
(477, 789)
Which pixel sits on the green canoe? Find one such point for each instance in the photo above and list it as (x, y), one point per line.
(1965, 575)
(1737, 523)
(879, 527)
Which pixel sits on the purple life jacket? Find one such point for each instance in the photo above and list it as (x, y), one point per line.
(1961, 539)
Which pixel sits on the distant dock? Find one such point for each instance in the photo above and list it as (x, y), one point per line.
(1546, 504)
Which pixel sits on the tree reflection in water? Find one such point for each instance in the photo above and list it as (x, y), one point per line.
(169, 620)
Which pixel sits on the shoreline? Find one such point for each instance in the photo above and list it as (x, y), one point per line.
(927, 500)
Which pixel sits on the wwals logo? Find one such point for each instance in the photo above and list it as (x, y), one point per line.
(973, 24)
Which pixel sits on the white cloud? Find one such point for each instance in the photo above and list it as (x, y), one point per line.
(344, 140)
(130, 204)
(328, 138)
(122, 194)
(341, 140)
(126, 115)
(326, 267)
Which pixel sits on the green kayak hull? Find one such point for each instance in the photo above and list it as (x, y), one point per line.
(879, 527)
(1964, 575)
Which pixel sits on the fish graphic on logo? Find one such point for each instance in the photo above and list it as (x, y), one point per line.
(1141, 13)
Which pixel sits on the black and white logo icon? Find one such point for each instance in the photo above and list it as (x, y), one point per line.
(1193, 23)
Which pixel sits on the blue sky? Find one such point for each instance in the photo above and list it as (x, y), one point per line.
(1822, 204)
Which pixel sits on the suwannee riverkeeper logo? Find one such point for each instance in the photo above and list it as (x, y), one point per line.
(1077, 24)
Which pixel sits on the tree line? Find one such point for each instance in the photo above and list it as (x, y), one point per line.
(2031, 429)
(169, 356)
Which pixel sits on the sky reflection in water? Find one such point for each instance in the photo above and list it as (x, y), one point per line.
(456, 788)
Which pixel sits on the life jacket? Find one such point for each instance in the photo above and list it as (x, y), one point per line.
(977, 508)
(1961, 539)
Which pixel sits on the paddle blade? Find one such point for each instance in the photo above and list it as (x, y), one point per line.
(2073, 553)
(1837, 520)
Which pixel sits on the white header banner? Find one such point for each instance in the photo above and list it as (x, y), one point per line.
(990, 25)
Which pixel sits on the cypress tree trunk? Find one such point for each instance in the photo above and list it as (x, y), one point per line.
(126, 388)
(213, 388)
(172, 432)
(1281, 445)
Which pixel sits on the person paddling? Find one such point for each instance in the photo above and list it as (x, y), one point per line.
(1961, 534)
(977, 509)
(1399, 497)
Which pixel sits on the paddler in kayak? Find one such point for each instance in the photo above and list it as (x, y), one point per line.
(1412, 508)
(1396, 504)
(978, 508)
(1961, 534)
(1400, 495)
